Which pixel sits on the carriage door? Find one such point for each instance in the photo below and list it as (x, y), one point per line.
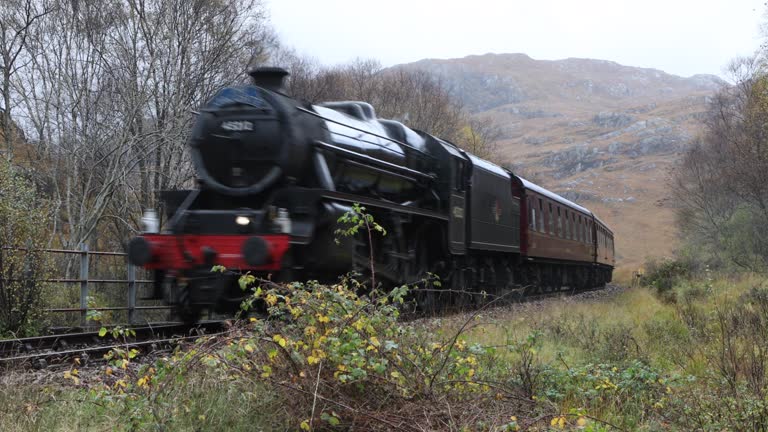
(458, 216)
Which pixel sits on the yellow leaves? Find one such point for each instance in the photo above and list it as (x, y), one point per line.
(312, 360)
(108, 371)
(558, 422)
(470, 373)
(305, 425)
(124, 364)
(581, 422)
(322, 318)
(252, 319)
(267, 371)
(120, 384)
(248, 347)
(271, 299)
(201, 417)
(321, 340)
(143, 381)
(310, 330)
(72, 375)
(374, 341)
(606, 384)
(395, 374)
(295, 311)
(279, 340)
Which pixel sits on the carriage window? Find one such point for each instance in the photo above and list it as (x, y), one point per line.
(581, 229)
(559, 223)
(531, 214)
(572, 224)
(566, 229)
(551, 220)
(542, 227)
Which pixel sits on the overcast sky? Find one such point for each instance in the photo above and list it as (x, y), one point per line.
(682, 37)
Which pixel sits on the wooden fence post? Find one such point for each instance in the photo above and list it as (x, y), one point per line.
(83, 284)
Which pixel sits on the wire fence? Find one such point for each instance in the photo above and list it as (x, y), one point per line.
(98, 281)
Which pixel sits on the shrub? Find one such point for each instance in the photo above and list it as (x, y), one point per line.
(333, 358)
(22, 232)
(663, 275)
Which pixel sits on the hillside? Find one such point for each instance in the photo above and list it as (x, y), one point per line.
(599, 133)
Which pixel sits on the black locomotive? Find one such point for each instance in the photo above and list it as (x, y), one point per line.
(275, 174)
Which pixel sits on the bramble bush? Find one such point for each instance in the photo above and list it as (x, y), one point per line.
(22, 230)
(335, 359)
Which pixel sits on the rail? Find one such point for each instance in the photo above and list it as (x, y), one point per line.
(85, 282)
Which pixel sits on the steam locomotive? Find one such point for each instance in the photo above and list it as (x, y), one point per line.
(275, 174)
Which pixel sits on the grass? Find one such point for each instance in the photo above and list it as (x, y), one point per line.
(201, 402)
(688, 358)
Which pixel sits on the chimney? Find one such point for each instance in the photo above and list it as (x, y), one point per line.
(270, 78)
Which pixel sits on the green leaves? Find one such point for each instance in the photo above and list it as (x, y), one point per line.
(246, 280)
(356, 219)
(331, 419)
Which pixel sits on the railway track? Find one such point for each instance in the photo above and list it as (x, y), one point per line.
(42, 351)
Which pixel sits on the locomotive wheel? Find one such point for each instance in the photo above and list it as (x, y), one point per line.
(186, 310)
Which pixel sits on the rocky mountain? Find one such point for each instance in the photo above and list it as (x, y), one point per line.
(599, 133)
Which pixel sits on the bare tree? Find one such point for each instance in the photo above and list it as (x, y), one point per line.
(481, 136)
(17, 18)
(106, 95)
(721, 185)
